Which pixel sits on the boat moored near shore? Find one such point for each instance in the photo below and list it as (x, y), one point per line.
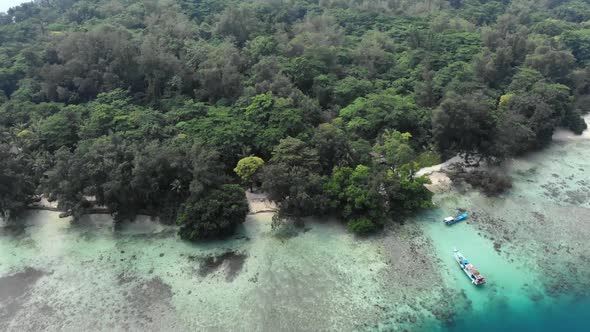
(454, 220)
(470, 270)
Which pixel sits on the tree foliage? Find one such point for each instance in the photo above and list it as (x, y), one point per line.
(212, 216)
(148, 106)
(247, 168)
(16, 181)
(291, 178)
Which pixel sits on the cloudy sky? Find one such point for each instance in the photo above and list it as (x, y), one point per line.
(5, 4)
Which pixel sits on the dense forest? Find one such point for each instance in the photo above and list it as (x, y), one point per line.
(175, 107)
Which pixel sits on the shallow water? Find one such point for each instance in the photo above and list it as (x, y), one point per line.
(91, 277)
(532, 245)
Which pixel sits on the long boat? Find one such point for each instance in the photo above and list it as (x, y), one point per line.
(470, 270)
(454, 220)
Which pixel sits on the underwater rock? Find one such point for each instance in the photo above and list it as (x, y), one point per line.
(234, 263)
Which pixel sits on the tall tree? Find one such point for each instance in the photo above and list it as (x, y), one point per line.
(16, 181)
(247, 168)
(463, 124)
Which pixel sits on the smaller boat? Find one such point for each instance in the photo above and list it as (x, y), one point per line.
(469, 269)
(454, 220)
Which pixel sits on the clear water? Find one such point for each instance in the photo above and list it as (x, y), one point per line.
(514, 297)
(140, 276)
(532, 245)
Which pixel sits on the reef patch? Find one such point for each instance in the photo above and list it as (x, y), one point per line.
(15, 290)
(232, 263)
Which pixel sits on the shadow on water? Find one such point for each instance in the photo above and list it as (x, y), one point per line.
(13, 230)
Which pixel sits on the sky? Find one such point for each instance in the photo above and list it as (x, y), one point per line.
(5, 4)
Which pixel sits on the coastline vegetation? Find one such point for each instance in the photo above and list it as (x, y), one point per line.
(329, 107)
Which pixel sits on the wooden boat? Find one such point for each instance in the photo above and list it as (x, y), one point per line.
(470, 270)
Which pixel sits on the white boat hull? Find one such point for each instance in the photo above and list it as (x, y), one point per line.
(469, 270)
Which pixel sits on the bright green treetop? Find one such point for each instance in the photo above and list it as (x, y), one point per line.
(247, 167)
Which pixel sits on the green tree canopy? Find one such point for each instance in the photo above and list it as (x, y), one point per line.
(367, 116)
(16, 181)
(247, 168)
(394, 147)
(212, 216)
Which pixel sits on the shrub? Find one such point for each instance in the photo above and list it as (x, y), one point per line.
(428, 158)
(490, 182)
(215, 214)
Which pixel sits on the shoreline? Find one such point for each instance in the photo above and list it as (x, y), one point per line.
(564, 135)
(439, 180)
(45, 205)
(377, 280)
(257, 203)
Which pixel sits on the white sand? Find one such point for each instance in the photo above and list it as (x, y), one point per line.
(440, 181)
(259, 203)
(45, 203)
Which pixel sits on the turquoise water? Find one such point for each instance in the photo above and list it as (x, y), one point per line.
(55, 275)
(513, 298)
(531, 244)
